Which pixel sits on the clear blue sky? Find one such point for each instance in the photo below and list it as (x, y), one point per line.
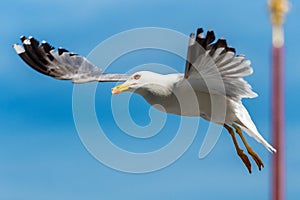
(41, 155)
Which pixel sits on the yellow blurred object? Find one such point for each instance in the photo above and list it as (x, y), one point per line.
(278, 9)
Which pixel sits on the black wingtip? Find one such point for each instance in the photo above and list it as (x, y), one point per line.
(231, 49)
(199, 31)
(73, 54)
(22, 38)
(221, 43)
(61, 51)
(210, 37)
(33, 41)
(47, 47)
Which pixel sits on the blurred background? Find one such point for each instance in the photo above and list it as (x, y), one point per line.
(41, 155)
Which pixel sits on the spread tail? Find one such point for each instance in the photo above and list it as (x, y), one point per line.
(249, 127)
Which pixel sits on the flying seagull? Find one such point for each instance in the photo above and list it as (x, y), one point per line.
(208, 61)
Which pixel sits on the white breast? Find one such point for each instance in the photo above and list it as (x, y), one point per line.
(185, 101)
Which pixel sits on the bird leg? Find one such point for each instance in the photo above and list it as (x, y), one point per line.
(239, 151)
(255, 157)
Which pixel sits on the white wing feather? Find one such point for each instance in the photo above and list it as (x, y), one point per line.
(209, 62)
(62, 64)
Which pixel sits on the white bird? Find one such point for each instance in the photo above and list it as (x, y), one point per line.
(212, 85)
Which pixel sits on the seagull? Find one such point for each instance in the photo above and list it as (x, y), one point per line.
(214, 76)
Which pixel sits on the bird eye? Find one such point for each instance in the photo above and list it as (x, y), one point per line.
(137, 77)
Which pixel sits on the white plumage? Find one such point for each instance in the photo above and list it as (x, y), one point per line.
(212, 85)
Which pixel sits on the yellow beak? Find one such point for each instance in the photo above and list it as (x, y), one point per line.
(120, 88)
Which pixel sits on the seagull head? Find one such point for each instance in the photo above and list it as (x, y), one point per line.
(143, 81)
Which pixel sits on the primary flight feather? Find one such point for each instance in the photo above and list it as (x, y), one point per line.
(212, 85)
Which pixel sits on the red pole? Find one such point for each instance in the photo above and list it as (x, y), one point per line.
(278, 9)
(278, 159)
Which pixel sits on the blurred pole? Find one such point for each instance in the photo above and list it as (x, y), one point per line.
(278, 9)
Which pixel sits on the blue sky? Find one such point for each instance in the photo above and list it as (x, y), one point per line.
(41, 154)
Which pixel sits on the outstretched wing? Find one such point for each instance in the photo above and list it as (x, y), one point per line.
(62, 64)
(209, 62)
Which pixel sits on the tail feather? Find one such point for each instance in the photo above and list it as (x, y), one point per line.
(259, 138)
(249, 127)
